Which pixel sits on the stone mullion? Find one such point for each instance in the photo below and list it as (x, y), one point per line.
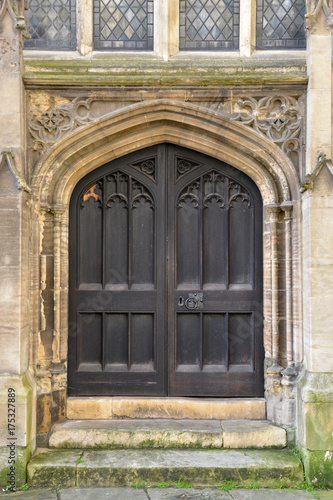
(247, 25)
(85, 26)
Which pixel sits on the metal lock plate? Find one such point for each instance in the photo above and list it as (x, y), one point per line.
(194, 301)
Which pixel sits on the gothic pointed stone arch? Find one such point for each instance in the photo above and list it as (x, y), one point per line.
(148, 123)
(166, 121)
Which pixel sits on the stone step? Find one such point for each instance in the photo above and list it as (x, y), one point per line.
(102, 408)
(165, 433)
(68, 468)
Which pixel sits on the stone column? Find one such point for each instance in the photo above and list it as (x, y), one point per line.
(315, 386)
(17, 393)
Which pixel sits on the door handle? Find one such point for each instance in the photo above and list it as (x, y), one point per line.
(194, 301)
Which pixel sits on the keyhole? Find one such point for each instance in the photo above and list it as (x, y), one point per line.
(181, 301)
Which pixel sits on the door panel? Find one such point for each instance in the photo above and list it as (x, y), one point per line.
(166, 220)
(215, 291)
(117, 292)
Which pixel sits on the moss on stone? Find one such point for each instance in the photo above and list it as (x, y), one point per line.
(152, 71)
(56, 468)
(125, 467)
(23, 454)
(318, 467)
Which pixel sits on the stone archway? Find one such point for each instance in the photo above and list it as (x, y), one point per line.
(165, 121)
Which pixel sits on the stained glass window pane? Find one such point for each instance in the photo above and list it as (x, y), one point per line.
(280, 24)
(123, 24)
(52, 24)
(209, 24)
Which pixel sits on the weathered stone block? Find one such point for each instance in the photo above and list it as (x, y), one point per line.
(148, 408)
(316, 433)
(87, 408)
(17, 441)
(13, 473)
(197, 467)
(252, 434)
(316, 387)
(254, 409)
(318, 466)
(24, 407)
(143, 433)
(44, 404)
(54, 469)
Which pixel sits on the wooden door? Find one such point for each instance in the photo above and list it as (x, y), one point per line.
(117, 279)
(166, 278)
(215, 279)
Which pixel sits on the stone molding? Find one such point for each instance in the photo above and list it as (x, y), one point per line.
(277, 117)
(12, 37)
(313, 8)
(15, 9)
(8, 158)
(310, 178)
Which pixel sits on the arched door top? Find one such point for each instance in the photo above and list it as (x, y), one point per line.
(166, 278)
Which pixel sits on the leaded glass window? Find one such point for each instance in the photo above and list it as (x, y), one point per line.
(52, 24)
(123, 24)
(209, 24)
(280, 24)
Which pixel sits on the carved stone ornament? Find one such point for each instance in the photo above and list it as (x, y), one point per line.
(8, 158)
(313, 7)
(51, 126)
(11, 41)
(15, 8)
(278, 117)
(310, 178)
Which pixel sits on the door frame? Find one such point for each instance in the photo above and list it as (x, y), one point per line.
(164, 184)
(128, 129)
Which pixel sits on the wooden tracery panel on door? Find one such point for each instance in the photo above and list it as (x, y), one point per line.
(166, 278)
(215, 289)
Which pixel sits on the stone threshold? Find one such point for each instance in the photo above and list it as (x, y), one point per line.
(105, 408)
(68, 468)
(166, 434)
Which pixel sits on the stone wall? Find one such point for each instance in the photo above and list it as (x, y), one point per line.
(267, 116)
(17, 387)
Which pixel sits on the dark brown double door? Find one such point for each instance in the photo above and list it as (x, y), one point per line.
(166, 278)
